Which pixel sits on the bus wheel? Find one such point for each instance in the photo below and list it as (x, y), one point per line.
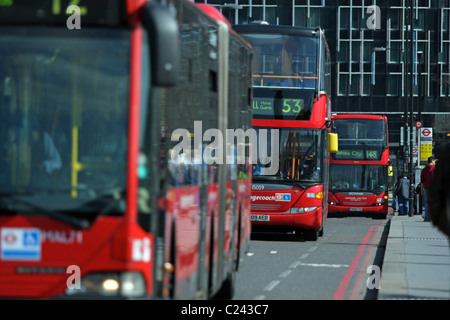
(311, 235)
(321, 232)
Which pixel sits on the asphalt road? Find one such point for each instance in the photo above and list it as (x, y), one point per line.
(286, 267)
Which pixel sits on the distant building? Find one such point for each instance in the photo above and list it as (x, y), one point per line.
(367, 39)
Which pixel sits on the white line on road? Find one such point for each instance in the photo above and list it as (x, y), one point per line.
(271, 285)
(304, 256)
(285, 274)
(324, 265)
(295, 265)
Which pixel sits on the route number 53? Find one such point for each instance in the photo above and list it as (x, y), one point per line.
(292, 106)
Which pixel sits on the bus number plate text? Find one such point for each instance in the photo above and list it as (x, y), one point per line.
(257, 217)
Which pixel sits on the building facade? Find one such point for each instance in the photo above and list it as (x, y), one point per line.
(371, 52)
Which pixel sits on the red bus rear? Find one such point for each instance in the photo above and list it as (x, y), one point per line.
(91, 203)
(292, 113)
(359, 171)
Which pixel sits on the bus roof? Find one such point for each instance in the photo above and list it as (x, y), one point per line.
(358, 116)
(275, 29)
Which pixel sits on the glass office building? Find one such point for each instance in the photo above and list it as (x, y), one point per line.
(369, 45)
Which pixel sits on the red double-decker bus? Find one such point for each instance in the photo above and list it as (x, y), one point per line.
(93, 203)
(359, 171)
(292, 112)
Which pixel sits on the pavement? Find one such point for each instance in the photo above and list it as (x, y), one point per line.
(416, 263)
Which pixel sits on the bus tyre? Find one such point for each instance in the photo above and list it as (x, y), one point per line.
(321, 232)
(311, 235)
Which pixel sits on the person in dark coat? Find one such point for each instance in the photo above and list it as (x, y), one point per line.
(439, 193)
(425, 179)
(402, 193)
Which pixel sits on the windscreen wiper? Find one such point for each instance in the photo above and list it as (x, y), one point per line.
(105, 204)
(80, 223)
(294, 182)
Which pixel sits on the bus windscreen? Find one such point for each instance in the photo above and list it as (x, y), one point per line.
(284, 60)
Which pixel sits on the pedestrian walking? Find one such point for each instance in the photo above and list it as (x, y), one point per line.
(395, 200)
(425, 179)
(439, 193)
(402, 193)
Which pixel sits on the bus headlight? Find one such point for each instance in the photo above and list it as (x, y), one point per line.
(303, 210)
(132, 284)
(125, 284)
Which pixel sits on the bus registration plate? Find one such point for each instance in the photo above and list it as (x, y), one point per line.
(356, 209)
(257, 217)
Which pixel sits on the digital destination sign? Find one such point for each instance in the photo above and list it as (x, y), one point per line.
(283, 104)
(357, 154)
(267, 106)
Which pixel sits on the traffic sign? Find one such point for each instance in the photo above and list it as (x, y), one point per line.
(419, 124)
(426, 151)
(20, 244)
(426, 133)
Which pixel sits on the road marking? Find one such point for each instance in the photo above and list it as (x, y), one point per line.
(273, 252)
(285, 274)
(271, 285)
(340, 292)
(312, 249)
(250, 254)
(304, 256)
(295, 265)
(362, 271)
(324, 265)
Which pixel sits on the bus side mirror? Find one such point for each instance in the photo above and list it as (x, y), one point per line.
(163, 38)
(333, 145)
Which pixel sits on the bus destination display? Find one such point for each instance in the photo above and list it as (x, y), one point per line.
(359, 154)
(285, 107)
(283, 104)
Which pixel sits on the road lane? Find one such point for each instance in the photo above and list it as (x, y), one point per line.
(282, 267)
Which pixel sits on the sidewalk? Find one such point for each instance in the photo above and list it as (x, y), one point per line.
(416, 261)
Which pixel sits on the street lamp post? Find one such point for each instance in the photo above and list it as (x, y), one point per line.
(411, 110)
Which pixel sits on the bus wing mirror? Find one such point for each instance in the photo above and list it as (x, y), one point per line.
(333, 145)
(164, 42)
